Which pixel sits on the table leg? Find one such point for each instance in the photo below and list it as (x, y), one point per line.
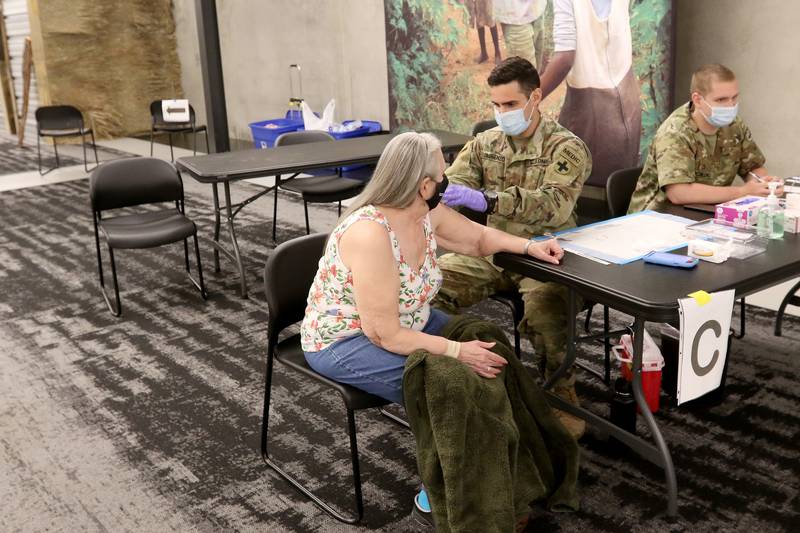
(569, 356)
(234, 242)
(606, 348)
(661, 444)
(791, 298)
(658, 454)
(215, 190)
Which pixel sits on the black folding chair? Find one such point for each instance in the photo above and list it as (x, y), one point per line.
(316, 189)
(159, 125)
(482, 126)
(619, 189)
(288, 276)
(135, 182)
(58, 121)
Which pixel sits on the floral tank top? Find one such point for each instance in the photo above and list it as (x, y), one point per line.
(331, 313)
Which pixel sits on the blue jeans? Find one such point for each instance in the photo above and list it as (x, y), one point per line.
(356, 361)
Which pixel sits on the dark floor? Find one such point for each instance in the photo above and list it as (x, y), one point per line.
(150, 422)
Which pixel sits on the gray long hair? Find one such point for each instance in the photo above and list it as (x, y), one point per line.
(405, 161)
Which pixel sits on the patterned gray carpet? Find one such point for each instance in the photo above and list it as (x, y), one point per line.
(151, 422)
(15, 158)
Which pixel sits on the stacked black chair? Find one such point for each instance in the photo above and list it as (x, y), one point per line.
(159, 125)
(136, 182)
(59, 121)
(316, 189)
(288, 276)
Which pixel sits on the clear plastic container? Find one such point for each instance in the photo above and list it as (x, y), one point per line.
(770, 217)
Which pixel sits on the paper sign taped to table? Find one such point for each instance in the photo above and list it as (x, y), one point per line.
(175, 110)
(705, 325)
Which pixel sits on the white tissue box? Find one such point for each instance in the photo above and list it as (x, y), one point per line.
(791, 221)
(791, 185)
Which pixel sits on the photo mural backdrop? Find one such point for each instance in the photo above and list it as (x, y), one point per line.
(611, 66)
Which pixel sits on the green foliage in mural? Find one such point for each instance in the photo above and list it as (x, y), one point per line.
(419, 36)
(651, 29)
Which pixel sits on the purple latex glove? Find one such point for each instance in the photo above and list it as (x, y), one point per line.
(456, 195)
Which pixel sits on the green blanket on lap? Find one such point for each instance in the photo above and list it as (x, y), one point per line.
(486, 448)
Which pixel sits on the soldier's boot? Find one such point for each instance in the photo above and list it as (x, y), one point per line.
(574, 425)
(564, 388)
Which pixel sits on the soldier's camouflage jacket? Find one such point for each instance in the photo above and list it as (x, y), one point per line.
(681, 153)
(538, 180)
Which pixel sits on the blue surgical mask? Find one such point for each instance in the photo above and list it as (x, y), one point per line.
(513, 122)
(721, 116)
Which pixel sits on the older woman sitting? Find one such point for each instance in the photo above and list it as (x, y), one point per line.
(369, 306)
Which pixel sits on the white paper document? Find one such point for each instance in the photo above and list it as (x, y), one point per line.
(625, 239)
(705, 325)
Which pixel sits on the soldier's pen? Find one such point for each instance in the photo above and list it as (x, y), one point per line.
(757, 177)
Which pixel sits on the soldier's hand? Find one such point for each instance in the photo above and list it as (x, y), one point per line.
(476, 355)
(455, 195)
(757, 188)
(779, 189)
(548, 251)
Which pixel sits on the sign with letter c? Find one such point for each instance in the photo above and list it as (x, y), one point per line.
(705, 325)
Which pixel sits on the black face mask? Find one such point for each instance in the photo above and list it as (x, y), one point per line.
(434, 200)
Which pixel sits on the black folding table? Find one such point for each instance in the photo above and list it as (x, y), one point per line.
(650, 293)
(223, 168)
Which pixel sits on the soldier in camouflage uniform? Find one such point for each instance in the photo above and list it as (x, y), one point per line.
(701, 147)
(527, 177)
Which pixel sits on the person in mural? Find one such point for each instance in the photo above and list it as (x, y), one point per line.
(593, 51)
(521, 21)
(701, 147)
(526, 175)
(480, 16)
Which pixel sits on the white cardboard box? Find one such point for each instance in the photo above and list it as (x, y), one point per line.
(791, 221)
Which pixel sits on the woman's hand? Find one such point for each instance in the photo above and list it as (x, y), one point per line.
(476, 355)
(548, 251)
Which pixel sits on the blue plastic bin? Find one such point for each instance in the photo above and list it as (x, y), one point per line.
(368, 127)
(266, 132)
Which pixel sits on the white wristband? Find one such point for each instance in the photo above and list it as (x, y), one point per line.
(453, 349)
(527, 246)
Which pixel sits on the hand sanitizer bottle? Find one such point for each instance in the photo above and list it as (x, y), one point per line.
(770, 217)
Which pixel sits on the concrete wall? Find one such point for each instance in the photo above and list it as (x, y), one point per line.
(340, 46)
(759, 41)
